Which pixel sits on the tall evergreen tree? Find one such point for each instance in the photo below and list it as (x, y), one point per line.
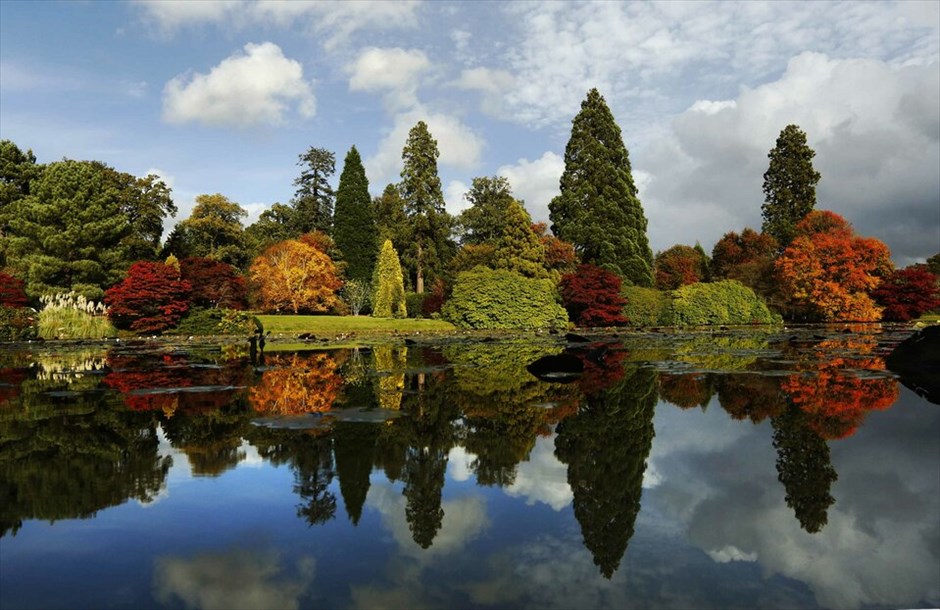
(518, 248)
(353, 223)
(598, 209)
(314, 197)
(483, 221)
(430, 247)
(388, 209)
(789, 185)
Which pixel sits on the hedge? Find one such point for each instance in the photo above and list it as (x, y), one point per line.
(725, 302)
(645, 306)
(487, 298)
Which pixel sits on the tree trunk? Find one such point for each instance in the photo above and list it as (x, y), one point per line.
(419, 281)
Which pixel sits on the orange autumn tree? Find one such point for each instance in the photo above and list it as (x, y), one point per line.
(296, 384)
(828, 272)
(295, 276)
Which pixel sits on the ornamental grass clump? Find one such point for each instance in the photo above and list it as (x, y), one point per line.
(71, 316)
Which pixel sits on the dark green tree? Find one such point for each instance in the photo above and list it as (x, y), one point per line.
(353, 223)
(789, 185)
(391, 223)
(598, 209)
(804, 468)
(354, 449)
(213, 230)
(81, 226)
(313, 199)
(605, 447)
(933, 263)
(484, 221)
(430, 247)
(273, 225)
(17, 169)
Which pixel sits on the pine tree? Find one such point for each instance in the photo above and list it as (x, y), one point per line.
(353, 223)
(598, 209)
(314, 197)
(789, 185)
(389, 297)
(430, 247)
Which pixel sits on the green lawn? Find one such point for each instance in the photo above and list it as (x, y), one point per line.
(346, 324)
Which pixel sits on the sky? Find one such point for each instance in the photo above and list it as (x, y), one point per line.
(222, 97)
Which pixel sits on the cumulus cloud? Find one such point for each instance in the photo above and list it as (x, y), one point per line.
(250, 88)
(492, 84)
(535, 182)
(454, 196)
(459, 145)
(542, 477)
(333, 22)
(231, 580)
(877, 148)
(395, 72)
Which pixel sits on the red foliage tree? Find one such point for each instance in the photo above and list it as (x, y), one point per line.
(152, 298)
(12, 292)
(743, 257)
(679, 266)
(827, 271)
(214, 283)
(434, 300)
(592, 297)
(907, 293)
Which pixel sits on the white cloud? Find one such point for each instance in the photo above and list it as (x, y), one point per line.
(459, 145)
(394, 71)
(493, 84)
(542, 477)
(250, 88)
(454, 196)
(535, 182)
(333, 22)
(877, 148)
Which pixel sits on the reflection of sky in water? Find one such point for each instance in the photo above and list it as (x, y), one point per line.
(714, 530)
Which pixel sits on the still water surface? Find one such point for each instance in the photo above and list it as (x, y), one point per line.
(704, 470)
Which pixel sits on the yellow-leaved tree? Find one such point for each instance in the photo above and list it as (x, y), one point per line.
(294, 276)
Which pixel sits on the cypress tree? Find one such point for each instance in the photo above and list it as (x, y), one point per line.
(789, 185)
(430, 246)
(598, 209)
(353, 223)
(389, 297)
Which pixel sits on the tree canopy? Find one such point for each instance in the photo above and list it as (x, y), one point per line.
(313, 200)
(354, 225)
(213, 230)
(598, 209)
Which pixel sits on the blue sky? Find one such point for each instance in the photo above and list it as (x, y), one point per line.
(222, 97)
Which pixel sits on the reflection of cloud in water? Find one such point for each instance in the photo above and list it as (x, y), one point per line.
(464, 520)
(729, 497)
(164, 449)
(232, 580)
(458, 464)
(542, 478)
(249, 456)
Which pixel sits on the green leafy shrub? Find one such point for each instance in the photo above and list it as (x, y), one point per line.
(72, 316)
(645, 306)
(487, 298)
(203, 321)
(414, 303)
(725, 302)
(239, 322)
(17, 324)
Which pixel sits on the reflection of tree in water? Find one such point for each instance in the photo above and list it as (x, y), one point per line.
(390, 364)
(605, 447)
(687, 390)
(354, 447)
(211, 441)
(297, 384)
(804, 468)
(310, 455)
(69, 455)
(504, 406)
(751, 396)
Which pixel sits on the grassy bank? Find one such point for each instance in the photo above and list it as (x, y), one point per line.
(345, 324)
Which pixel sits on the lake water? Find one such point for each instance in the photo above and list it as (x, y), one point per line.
(711, 470)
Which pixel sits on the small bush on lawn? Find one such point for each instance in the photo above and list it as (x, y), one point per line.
(725, 302)
(487, 298)
(72, 316)
(645, 306)
(17, 324)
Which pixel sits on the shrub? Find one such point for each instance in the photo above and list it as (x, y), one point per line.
(200, 321)
(357, 295)
(592, 297)
(213, 283)
(414, 303)
(388, 300)
(152, 298)
(484, 298)
(725, 302)
(12, 291)
(645, 306)
(72, 316)
(908, 293)
(17, 324)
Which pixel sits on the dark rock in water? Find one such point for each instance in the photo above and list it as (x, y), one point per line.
(917, 361)
(553, 331)
(561, 368)
(573, 338)
(410, 342)
(305, 336)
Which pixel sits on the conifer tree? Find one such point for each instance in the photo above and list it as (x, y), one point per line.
(430, 246)
(789, 185)
(483, 221)
(353, 223)
(314, 197)
(598, 209)
(389, 297)
(390, 220)
(518, 248)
